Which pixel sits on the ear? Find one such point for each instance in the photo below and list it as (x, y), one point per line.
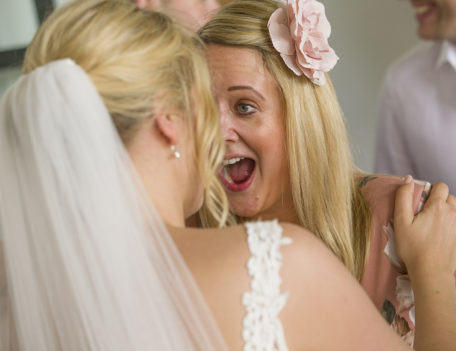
(167, 126)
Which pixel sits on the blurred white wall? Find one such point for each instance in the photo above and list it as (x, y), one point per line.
(366, 34)
(18, 23)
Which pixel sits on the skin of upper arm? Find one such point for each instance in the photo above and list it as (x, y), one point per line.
(327, 309)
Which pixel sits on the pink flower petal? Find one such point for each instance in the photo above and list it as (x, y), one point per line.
(290, 61)
(318, 78)
(280, 33)
(307, 29)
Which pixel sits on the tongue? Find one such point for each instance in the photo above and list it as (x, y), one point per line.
(241, 171)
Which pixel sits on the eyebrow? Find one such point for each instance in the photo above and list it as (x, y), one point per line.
(246, 87)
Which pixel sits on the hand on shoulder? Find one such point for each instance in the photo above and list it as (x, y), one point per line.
(426, 242)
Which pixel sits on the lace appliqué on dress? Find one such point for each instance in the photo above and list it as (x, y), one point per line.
(262, 328)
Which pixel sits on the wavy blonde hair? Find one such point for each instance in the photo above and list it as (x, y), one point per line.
(132, 56)
(323, 179)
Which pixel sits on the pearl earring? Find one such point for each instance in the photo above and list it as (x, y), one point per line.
(176, 153)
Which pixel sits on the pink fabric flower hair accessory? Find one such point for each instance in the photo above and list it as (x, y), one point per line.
(299, 31)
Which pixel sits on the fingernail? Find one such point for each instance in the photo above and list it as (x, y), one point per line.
(408, 179)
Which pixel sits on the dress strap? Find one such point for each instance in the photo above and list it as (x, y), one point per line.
(262, 328)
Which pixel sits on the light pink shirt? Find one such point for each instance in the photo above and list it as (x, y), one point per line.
(417, 122)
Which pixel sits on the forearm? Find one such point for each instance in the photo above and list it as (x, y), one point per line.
(435, 301)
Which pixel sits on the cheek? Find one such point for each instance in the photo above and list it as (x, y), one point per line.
(451, 19)
(274, 158)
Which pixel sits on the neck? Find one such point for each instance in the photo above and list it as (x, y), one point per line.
(168, 204)
(160, 179)
(283, 211)
(282, 215)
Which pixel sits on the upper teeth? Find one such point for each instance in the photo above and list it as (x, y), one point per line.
(232, 161)
(422, 9)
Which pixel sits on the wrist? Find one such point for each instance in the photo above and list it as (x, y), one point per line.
(432, 281)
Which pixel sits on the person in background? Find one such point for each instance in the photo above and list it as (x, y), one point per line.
(191, 13)
(417, 117)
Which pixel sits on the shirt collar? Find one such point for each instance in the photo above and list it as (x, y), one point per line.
(447, 54)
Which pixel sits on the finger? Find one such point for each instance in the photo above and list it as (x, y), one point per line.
(451, 200)
(439, 193)
(403, 207)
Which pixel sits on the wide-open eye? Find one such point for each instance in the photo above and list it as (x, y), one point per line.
(245, 109)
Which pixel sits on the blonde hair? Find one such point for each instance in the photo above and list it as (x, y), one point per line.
(131, 56)
(324, 187)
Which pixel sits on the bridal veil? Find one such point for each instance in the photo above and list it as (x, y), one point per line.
(87, 262)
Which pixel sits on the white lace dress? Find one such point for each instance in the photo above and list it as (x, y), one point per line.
(262, 328)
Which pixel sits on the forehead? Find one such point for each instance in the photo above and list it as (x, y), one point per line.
(238, 66)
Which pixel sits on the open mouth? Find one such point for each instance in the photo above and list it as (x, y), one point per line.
(237, 173)
(423, 10)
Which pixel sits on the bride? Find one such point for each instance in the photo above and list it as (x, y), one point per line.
(108, 142)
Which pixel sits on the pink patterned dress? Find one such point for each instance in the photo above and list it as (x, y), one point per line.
(385, 278)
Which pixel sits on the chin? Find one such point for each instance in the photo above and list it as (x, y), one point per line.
(427, 35)
(244, 209)
(428, 31)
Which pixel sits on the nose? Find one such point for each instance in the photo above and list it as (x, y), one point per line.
(227, 122)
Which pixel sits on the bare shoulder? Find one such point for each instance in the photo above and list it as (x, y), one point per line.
(308, 259)
(302, 239)
(327, 309)
(307, 252)
(323, 298)
(218, 260)
(227, 248)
